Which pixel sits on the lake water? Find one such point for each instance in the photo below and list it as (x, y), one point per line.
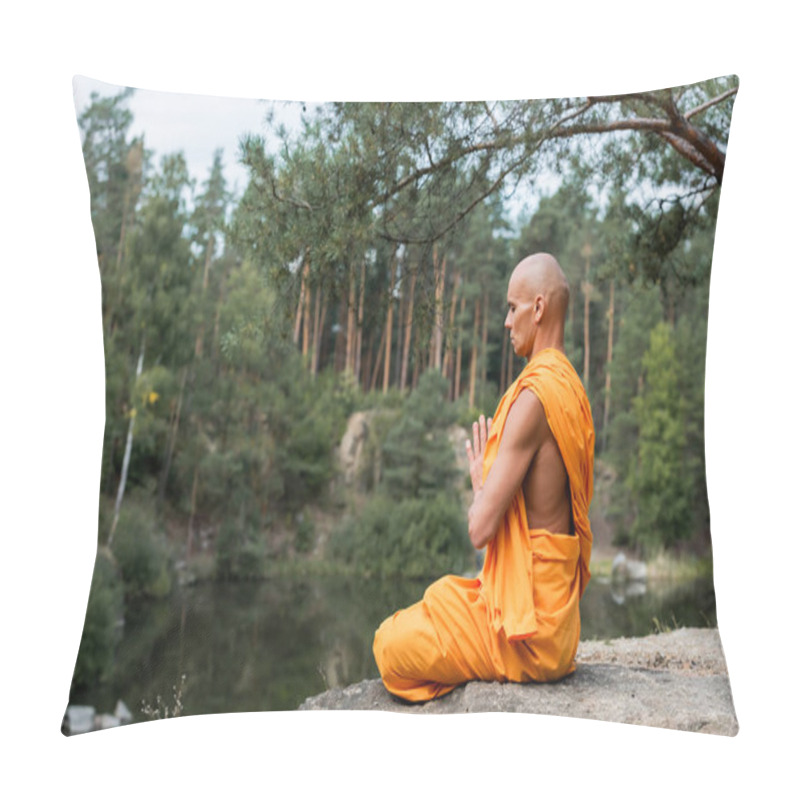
(266, 646)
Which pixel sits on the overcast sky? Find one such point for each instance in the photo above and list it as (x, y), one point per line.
(195, 124)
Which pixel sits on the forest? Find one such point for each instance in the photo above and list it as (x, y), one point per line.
(364, 269)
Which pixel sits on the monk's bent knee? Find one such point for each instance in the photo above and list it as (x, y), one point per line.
(388, 652)
(403, 651)
(396, 646)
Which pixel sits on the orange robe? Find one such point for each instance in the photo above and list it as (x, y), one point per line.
(519, 620)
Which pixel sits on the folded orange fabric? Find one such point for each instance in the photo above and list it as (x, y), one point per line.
(519, 620)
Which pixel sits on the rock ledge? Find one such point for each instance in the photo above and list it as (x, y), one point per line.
(675, 680)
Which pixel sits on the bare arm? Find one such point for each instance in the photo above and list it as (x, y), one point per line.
(524, 432)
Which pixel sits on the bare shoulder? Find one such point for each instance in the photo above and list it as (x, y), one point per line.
(526, 424)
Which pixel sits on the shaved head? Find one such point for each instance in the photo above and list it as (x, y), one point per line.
(541, 274)
(538, 297)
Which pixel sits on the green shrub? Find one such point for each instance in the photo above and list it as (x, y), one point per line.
(100, 629)
(417, 456)
(239, 553)
(662, 482)
(413, 537)
(304, 536)
(141, 551)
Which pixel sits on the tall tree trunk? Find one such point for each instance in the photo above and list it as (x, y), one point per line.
(339, 344)
(437, 337)
(351, 322)
(367, 359)
(609, 357)
(306, 317)
(419, 355)
(485, 336)
(301, 302)
(457, 379)
(473, 364)
(315, 331)
(401, 315)
(387, 331)
(447, 366)
(126, 459)
(381, 354)
(430, 350)
(407, 331)
(360, 322)
(320, 309)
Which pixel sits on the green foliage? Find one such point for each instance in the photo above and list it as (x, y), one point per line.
(307, 418)
(157, 285)
(690, 343)
(417, 455)
(268, 428)
(304, 540)
(240, 554)
(413, 537)
(641, 311)
(141, 550)
(152, 400)
(660, 482)
(100, 629)
(113, 169)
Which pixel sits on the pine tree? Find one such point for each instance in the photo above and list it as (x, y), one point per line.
(660, 482)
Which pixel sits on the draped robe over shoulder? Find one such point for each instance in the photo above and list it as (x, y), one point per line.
(519, 620)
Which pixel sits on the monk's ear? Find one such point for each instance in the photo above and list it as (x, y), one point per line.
(538, 307)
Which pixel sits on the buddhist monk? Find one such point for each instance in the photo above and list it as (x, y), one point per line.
(531, 467)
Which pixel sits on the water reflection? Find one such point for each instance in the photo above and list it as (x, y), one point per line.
(268, 645)
(635, 609)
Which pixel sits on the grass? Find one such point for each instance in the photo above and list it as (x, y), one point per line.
(662, 566)
(667, 566)
(662, 627)
(601, 567)
(162, 709)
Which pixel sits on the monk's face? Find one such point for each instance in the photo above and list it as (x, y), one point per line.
(520, 320)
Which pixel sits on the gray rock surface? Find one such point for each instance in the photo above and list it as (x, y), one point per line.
(84, 719)
(351, 448)
(672, 680)
(122, 713)
(78, 719)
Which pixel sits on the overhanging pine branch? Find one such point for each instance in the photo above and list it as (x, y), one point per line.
(684, 138)
(637, 124)
(713, 102)
(438, 234)
(688, 152)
